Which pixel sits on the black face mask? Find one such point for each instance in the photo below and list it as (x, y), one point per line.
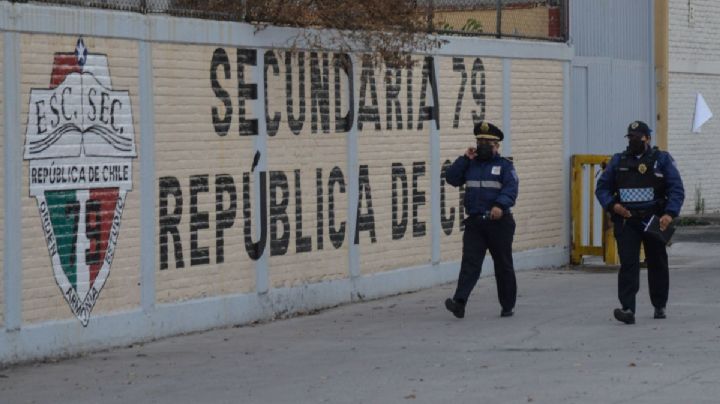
(484, 151)
(636, 146)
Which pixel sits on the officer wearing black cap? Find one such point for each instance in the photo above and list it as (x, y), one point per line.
(640, 184)
(491, 187)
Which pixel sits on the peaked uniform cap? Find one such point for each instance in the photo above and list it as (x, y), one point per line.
(486, 130)
(639, 127)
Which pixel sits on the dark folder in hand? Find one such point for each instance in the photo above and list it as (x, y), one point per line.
(652, 228)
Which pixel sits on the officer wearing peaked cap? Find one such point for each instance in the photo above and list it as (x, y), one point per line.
(638, 186)
(491, 188)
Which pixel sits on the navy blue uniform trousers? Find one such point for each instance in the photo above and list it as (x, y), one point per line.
(494, 235)
(629, 234)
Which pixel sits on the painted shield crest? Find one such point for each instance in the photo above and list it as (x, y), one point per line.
(80, 144)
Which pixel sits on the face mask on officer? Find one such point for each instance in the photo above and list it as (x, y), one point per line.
(484, 151)
(636, 144)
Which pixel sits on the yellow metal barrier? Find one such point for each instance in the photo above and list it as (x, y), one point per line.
(586, 212)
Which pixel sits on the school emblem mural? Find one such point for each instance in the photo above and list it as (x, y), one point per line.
(80, 146)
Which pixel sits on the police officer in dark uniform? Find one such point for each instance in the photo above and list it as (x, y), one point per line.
(491, 187)
(638, 183)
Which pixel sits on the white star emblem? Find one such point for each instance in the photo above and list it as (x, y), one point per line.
(81, 52)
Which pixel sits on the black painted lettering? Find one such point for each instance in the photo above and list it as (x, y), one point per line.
(337, 236)
(255, 249)
(246, 57)
(104, 98)
(274, 123)
(68, 91)
(302, 243)
(224, 217)
(41, 127)
(222, 125)
(446, 220)
(92, 115)
(168, 223)
(365, 221)
(278, 213)
(198, 220)
(296, 124)
(399, 226)
(392, 93)
(342, 62)
(459, 66)
(115, 104)
(478, 92)
(319, 207)
(418, 198)
(319, 92)
(56, 113)
(425, 112)
(368, 113)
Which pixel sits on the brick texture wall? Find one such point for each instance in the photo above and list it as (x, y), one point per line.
(694, 29)
(307, 158)
(695, 153)
(41, 299)
(537, 111)
(407, 147)
(186, 146)
(204, 162)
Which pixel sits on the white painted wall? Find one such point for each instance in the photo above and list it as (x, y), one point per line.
(695, 68)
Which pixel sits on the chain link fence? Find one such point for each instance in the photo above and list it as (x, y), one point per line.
(528, 19)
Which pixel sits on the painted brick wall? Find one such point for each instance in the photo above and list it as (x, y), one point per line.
(80, 118)
(695, 68)
(306, 158)
(2, 185)
(41, 300)
(537, 111)
(408, 147)
(694, 34)
(455, 139)
(205, 170)
(695, 153)
(186, 146)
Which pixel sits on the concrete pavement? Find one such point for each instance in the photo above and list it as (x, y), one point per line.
(562, 346)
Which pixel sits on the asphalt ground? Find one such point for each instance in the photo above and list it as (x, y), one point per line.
(562, 346)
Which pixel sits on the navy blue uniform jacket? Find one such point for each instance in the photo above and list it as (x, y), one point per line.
(674, 192)
(487, 183)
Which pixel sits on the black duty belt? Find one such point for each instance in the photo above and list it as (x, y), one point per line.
(641, 213)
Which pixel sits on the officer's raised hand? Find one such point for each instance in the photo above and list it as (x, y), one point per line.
(471, 153)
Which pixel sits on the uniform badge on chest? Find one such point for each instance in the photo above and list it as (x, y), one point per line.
(495, 170)
(642, 168)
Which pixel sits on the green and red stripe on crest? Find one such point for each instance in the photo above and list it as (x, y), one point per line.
(64, 207)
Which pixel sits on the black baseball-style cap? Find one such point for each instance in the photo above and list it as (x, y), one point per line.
(486, 130)
(639, 128)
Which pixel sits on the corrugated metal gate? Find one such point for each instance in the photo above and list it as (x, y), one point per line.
(612, 72)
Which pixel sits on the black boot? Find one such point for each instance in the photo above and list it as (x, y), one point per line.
(659, 312)
(625, 315)
(455, 307)
(506, 313)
